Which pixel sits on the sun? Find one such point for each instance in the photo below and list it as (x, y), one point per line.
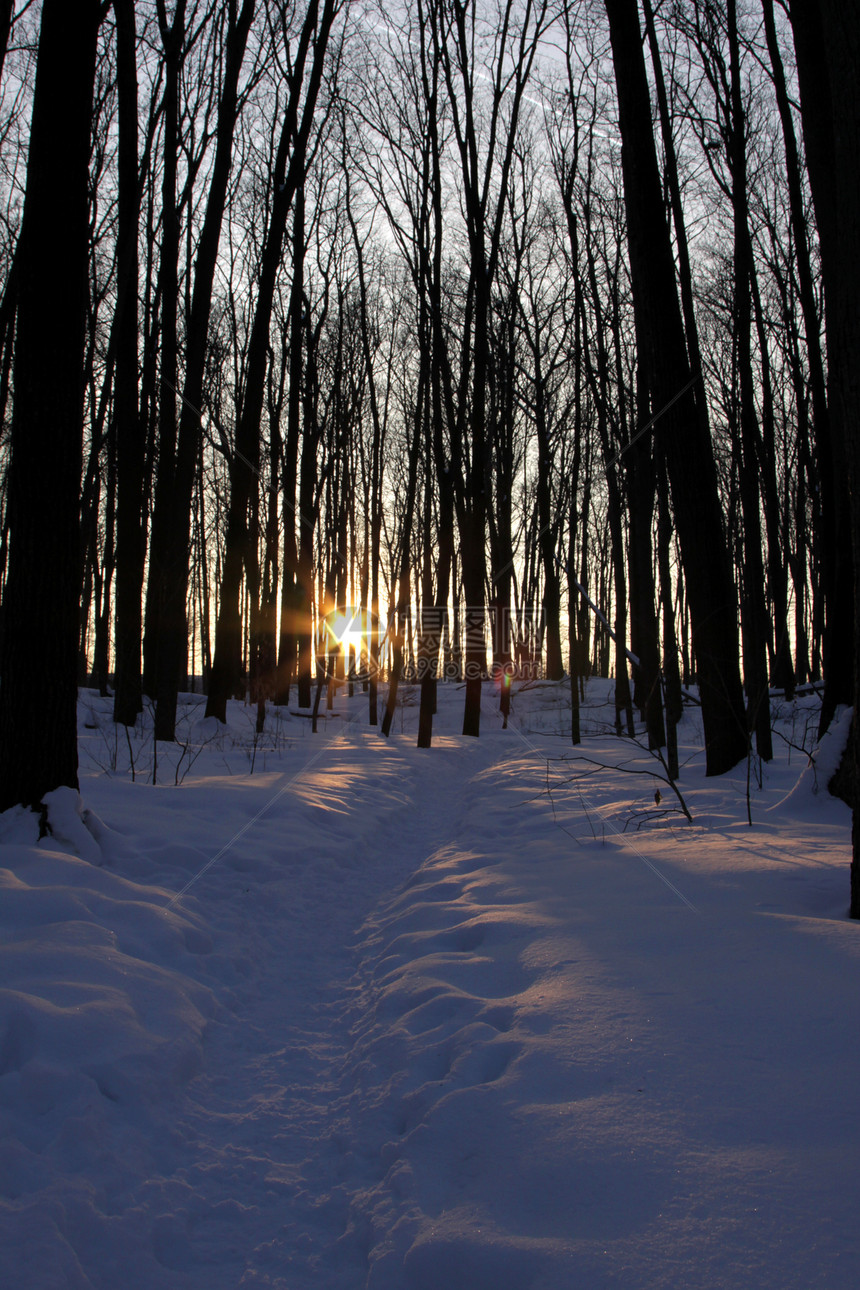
(346, 629)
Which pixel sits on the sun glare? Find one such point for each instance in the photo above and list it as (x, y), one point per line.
(346, 630)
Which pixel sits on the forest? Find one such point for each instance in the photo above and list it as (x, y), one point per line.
(476, 338)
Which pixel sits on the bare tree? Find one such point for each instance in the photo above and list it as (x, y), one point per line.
(670, 386)
(303, 70)
(827, 37)
(38, 717)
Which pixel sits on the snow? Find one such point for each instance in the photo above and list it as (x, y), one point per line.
(332, 1011)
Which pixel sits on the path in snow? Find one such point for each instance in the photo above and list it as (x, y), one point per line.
(264, 1167)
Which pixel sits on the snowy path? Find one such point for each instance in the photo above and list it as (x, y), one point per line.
(265, 1167)
(457, 1039)
(263, 1132)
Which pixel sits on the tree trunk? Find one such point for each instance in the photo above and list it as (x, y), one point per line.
(404, 581)
(38, 718)
(820, 115)
(755, 618)
(7, 10)
(692, 472)
(163, 555)
(841, 267)
(130, 537)
(290, 594)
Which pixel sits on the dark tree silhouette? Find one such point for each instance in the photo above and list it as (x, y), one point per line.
(689, 455)
(306, 77)
(38, 663)
(130, 441)
(821, 109)
(841, 32)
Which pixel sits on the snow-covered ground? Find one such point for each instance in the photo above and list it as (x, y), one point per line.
(335, 1012)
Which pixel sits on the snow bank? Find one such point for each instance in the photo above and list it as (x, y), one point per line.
(101, 1025)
